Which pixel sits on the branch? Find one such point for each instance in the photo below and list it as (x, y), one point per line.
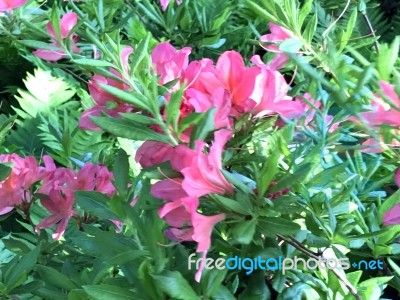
(371, 29)
(296, 244)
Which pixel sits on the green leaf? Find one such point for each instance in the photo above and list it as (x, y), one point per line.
(108, 292)
(211, 281)
(92, 63)
(140, 53)
(349, 30)
(387, 58)
(27, 288)
(264, 13)
(310, 28)
(175, 286)
(39, 45)
(190, 120)
(5, 170)
(125, 257)
(325, 177)
(267, 173)
(22, 266)
(148, 282)
(305, 11)
(44, 92)
(121, 172)
(394, 266)
(256, 288)
(244, 231)
(223, 294)
(271, 226)
(128, 129)
(173, 108)
(95, 203)
(317, 241)
(139, 118)
(203, 128)
(230, 204)
(373, 288)
(236, 182)
(368, 235)
(128, 97)
(55, 22)
(54, 277)
(291, 45)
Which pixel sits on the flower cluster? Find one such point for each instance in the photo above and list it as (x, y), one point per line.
(56, 191)
(232, 89)
(200, 175)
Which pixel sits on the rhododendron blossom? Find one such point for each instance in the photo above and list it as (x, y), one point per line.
(278, 34)
(239, 80)
(59, 186)
(381, 111)
(67, 22)
(169, 62)
(15, 189)
(272, 95)
(105, 102)
(202, 229)
(8, 5)
(203, 175)
(168, 189)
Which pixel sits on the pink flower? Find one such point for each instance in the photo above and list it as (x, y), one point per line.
(67, 22)
(151, 153)
(278, 34)
(381, 112)
(169, 189)
(374, 146)
(239, 80)
(165, 3)
(220, 99)
(392, 216)
(202, 229)
(95, 178)
(175, 214)
(188, 225)
(59, 186)
(15, 188)
(169, 62)
(203, 175)
(202, 76)
(8, 5)
(397, 177)
(271, 97)
(105, 102)
(178, 234)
